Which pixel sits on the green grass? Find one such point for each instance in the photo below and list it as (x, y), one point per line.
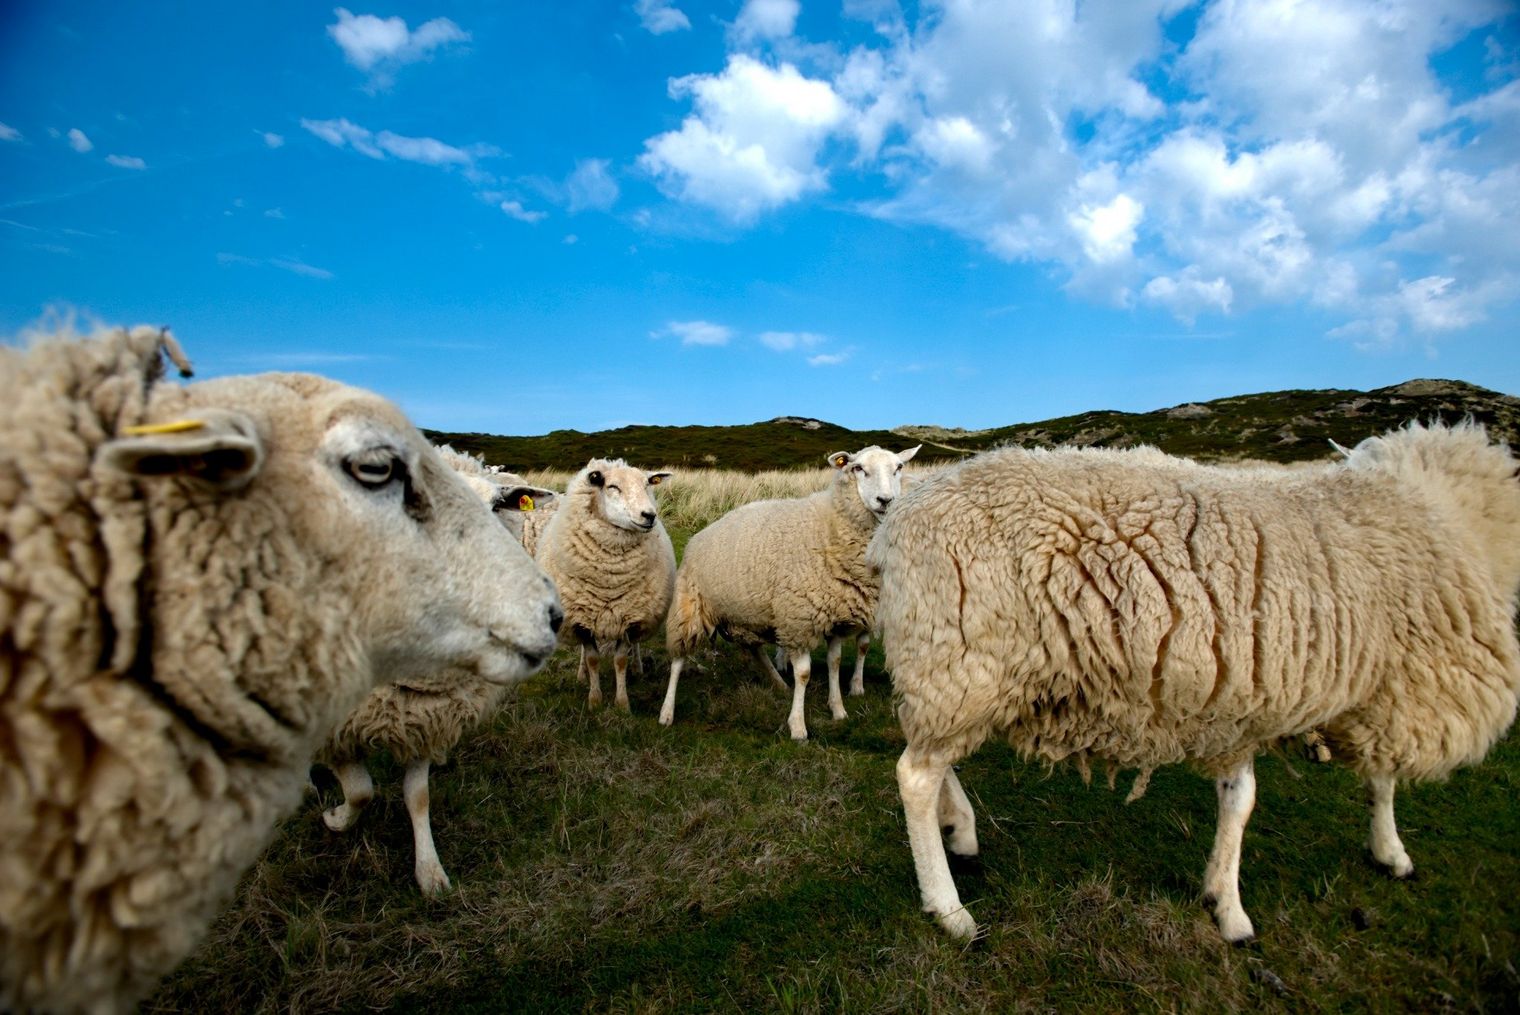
(604, 863)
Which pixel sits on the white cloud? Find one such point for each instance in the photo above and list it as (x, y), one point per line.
(429, 151)
(785, 341)
(660, 16)
(514, 209)
(696, 332)
(379, 46)
(766, 19)
(290, 264)
(78, 141)
(1205, 175)
(9, 133)
(1189, 295)
(274, 213)
(272, 139)
(752, 142)
(591, 186)
(126, 162)
(831, 359)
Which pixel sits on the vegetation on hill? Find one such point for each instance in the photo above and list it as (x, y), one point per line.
(1281, 426)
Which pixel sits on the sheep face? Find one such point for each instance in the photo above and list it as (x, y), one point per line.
(432, 580)
(622, 495)
(877, 474)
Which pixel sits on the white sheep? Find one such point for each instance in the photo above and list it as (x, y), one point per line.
(1144, 610)
(419, 720)
(612, 561)
(790, 571)
(196, 582)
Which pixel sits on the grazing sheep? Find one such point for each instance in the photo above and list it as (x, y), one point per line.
(420, 720)
(789, 571)
(609, 555)
(196, 582)
(1144, 610)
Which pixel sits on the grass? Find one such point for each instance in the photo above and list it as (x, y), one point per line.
(604, 863)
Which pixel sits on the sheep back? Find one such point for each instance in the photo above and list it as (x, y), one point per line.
(1145, 611)
(789, 571)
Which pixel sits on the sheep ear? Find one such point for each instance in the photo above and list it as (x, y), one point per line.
(216, 447)
(839, 459)
(656, 478)
(903, 456)
(521, 498)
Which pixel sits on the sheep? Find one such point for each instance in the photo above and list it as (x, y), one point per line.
(494, 484)
(612, 561)
(790, 571)
(419, 721)
(1146, 610)
(196, 583)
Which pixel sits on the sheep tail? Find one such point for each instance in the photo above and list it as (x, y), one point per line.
(687, 624)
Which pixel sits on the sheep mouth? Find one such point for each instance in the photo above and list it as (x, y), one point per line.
(513, 662)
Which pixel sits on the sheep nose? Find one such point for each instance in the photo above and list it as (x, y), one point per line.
(883, 501)
(648, 517)
(556, 617)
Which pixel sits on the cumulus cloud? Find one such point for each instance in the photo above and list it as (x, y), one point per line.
(380, 46)
(514, 209)
(9, 133)
(1180, 163)
(660, 16)
(785, 341)
(126, 162)
(752, 142)
(765, 19)
(591, 186)
(78, 141)
(696, 332)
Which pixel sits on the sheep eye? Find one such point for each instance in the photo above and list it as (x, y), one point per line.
(372, 473)
(595, 479)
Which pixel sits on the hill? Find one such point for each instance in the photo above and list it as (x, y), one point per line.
(1282, 426)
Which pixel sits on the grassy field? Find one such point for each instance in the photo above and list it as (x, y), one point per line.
(602, 862)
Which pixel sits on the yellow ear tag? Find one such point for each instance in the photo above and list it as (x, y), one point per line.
(525, 503)
(176, 426)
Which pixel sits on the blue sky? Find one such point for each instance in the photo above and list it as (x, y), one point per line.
(520, 217)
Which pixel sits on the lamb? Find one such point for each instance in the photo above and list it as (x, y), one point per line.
(612, 561)
(1145, 610)
(790, 571)
(196, 582)
(419, 721)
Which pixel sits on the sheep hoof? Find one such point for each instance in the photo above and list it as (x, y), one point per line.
(959, 924)
(432, 880)
(857, 692)
(338, 819)
(622, 703)
(593, 701)
(1235, 927)
(841, 714)
(667, 716)
(799, 735)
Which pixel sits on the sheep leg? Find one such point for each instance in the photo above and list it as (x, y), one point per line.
(1384, 841)
(668, 710)
(1236, 790)
(802, 665)
(358, 789)
(769, 668)
(580, 669)
(431, 877)
(593, 663)
(620, 675)
(858, 678)
(956, 817)
(921, 781)
(638, 659)
(836, 700)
